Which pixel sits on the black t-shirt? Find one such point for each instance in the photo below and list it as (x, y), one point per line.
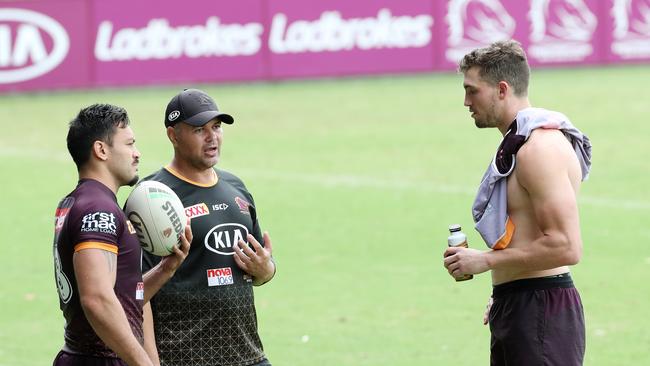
(206, 313)
(89, 217)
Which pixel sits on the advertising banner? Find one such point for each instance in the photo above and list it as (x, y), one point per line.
(59, 44)
(342, 37)
(628, 30)
(161, 42)
(553, 32)
(564, 32)
(43, 45)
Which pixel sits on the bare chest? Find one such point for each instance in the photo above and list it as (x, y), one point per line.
(520, 211)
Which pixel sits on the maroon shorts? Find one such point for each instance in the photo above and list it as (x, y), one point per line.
(70, 359)
(537, 321)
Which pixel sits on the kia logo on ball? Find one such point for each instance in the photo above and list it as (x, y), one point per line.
(25, 56)
(222, 238)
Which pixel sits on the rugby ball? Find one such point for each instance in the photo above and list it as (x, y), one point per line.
(157, 215)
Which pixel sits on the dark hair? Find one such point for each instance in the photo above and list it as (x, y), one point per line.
(94, 123)
(500, 61)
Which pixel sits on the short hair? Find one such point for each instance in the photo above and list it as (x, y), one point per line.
(500, 61)
(94, 123)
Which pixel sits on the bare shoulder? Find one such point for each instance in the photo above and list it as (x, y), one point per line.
(547, 153)
(546, 145)
(546, 141)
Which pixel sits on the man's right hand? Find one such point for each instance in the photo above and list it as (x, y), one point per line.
(488, 307)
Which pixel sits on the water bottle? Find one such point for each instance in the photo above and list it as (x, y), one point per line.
(458, 239)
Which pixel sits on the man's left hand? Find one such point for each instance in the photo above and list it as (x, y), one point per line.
(256, 261)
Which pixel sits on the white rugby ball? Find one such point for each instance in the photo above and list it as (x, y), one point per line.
(157, 215)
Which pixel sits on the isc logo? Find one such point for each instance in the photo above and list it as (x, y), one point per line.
(223, 237)
(24, 49)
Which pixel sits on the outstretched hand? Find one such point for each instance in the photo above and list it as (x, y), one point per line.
(256, 261)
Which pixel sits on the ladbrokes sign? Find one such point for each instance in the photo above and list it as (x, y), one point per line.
(47, 44)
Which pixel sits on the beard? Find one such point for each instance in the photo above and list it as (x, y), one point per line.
(482, 123)
(488, 117)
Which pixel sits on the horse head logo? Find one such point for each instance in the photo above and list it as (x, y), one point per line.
(478, 21)
(631, 16)
(568, 20)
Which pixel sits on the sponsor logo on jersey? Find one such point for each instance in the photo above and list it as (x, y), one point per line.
(63, 286)
(220, 276)
(243, 204)
(59, 218)
(221, 238)
(200, 209)
(31, 44)
(101, 222)
(139, 291)
(220, 206)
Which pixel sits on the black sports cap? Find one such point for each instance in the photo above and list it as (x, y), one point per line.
(195, 108)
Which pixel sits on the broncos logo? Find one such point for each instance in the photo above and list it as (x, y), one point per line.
(478, 22)
(568, 20)
(631, 16)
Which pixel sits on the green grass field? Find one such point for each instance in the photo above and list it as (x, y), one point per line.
(356, 181)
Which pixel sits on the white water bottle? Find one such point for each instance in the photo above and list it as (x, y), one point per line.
(458, 239)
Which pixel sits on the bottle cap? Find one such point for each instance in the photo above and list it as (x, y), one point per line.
(453, 228)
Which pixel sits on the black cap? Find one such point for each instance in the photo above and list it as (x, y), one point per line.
(195, 108)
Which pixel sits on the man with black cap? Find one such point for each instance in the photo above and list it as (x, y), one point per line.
(206, 314)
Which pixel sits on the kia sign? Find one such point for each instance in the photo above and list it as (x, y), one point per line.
(27, 57)
(42, 45)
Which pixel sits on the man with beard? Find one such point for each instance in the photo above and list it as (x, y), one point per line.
(96, 251)
(526, 213)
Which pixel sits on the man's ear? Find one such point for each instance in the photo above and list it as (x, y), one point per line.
(503, 87)
(100, 150)
(171, 135)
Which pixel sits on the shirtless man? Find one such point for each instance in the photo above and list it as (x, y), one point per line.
(535, 313)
